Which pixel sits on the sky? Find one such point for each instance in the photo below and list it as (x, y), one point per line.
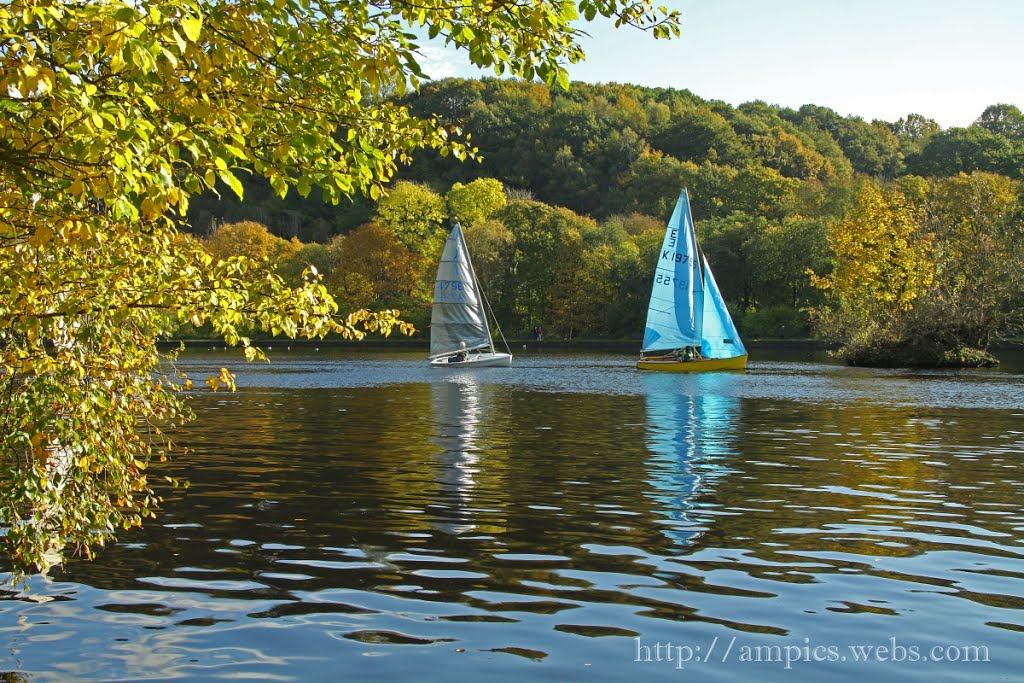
(876, 59)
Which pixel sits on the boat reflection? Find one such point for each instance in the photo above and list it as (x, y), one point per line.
(457, 409)
(691, 429)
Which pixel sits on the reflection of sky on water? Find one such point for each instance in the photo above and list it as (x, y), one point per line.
(786, 503)
(611, 374)
(456, 404)
(690, 428)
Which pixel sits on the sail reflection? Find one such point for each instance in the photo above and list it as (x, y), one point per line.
(457, 408)
(691, 426)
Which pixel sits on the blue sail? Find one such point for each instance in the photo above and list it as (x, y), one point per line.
(719, 336)
(676, 309)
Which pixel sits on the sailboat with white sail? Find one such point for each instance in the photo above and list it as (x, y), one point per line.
(460, 336)
(689, 328)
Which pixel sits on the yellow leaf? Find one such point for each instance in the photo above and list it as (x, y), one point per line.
(231, 181)
(192, 26)
(41, 236)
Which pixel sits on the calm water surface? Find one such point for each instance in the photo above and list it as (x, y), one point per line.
(356, 516)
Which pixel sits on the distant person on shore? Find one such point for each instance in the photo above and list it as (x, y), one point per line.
(538, 333)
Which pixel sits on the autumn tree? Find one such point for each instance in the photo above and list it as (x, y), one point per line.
(927, 272)
(248, 238)
(882, 265)
(377, 270)
(475, 201)
(649, 185)
(492, 246)
(113, 115)
(415, 214)
(546, 258)
(296, 257)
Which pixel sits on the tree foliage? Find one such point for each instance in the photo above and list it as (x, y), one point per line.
(881, 266)
(414, 213)
(113, 116)
(980, 265)
(475, 202)
(963, 150)
(248, 238)
(925, 272)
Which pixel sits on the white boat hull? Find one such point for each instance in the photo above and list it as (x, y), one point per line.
(475, 360)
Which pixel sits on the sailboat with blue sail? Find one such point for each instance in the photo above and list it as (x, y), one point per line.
(688, 328)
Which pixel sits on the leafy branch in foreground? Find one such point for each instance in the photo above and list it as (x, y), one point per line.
(112, 115)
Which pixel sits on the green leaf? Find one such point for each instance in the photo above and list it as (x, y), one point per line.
(125, 15)
(231, 181)
(192, 27)
(235, 151)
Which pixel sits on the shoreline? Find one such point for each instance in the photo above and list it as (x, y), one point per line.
(560, 344)
(377, 343)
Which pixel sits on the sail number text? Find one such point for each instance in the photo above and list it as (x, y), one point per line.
(669, 279)
(669, 253)
(450, 291)
(443, 285)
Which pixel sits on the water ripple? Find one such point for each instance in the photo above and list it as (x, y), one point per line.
(376, 517)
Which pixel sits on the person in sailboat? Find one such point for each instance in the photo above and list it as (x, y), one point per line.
(461, 355)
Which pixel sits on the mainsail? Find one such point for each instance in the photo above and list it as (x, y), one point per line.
(458, 315)
(676, 310)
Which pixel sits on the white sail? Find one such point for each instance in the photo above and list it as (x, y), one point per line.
(458, 320)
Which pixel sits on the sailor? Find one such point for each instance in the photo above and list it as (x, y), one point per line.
(461, 355)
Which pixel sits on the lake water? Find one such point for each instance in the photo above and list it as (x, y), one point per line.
(357, 516)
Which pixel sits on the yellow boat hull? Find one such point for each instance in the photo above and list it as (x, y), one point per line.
(702, 365)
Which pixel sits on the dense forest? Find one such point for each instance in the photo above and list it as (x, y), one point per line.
(900, 240)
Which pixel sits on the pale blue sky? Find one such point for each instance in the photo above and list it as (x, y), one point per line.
(879, 59)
